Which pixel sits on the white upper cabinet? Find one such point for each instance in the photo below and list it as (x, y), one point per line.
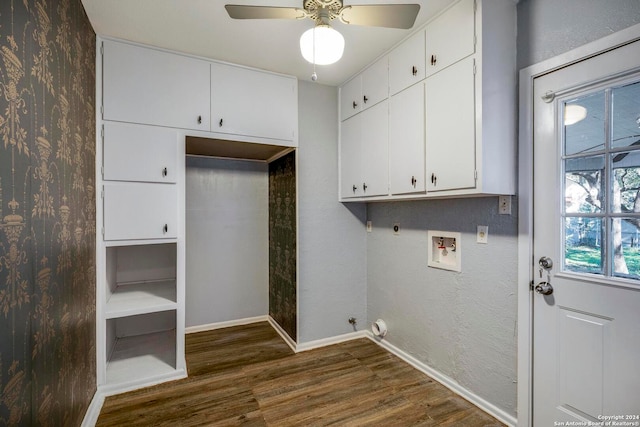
(148, 86)
(253, 103)
(406, 141)
(450, 127)
(365, 90)
(451, 36)
(407, 63)
(138, 211)
(139, 153)
(364, 153)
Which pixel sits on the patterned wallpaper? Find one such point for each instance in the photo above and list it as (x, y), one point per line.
(282, 243)
(47, 212)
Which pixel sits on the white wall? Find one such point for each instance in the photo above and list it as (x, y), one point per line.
(461, 324)
(331, 238)
(547, 28)
(227, 240)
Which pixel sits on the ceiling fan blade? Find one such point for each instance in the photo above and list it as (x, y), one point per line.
(263, 12)
(381, 15)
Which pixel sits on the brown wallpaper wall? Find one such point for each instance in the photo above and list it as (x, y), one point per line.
(282, 243)
(47, 212)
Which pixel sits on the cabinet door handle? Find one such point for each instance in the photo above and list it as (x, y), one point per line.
(355, 104)
(365, 99)
(414, 70)
(434, 179)
(220, 123)
(354, 188)
(164, 172)
(413, 181)
(364, 186)
(165, 229)
(199, 120)
(433, 60)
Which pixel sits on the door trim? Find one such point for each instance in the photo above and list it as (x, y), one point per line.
(525, 202)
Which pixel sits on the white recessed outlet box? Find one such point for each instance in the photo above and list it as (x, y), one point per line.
(444, 250)
(504, 205)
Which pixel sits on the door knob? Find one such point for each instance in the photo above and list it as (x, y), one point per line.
(545, 262)
(544, 288)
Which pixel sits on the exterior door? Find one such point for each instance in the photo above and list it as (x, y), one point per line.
(586, 245)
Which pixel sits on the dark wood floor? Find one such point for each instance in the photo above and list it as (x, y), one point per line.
(248, 376)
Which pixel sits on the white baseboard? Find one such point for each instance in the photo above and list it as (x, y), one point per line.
(93, 411)
(285, 336)
(448, 382)
(330, 341)
(226, 324)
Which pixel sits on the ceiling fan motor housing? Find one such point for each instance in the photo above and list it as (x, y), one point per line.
(322, 10)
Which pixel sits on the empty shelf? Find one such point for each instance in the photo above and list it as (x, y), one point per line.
(141, 298)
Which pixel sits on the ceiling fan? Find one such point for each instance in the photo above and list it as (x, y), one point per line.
(401, 16)
(323, 45)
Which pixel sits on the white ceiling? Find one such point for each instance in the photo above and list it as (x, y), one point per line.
(203, 28)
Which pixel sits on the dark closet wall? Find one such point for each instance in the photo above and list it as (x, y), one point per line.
(282, 243)
(47, 212)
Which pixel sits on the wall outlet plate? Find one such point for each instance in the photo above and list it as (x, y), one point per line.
(504, 205)
(369, 227)
(482, 235)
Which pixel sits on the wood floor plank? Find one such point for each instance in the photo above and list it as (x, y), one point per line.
(247, 376)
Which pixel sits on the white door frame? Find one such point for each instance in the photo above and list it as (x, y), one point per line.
(525, 201)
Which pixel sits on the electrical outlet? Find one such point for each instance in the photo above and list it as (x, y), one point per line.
(369, 227)
(483, 234)
(396, 228)
(504, 205)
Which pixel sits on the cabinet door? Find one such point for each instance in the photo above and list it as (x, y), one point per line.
(142, 85)
(450, 128)
(407, 141)
(139, 153)
(351, 98)
(253, 103)
(407, 63)
(375, 83)
(451, 36)
(134, 211)
(350, 185)
(374, 149)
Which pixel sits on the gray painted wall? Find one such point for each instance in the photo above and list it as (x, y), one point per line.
(331, 238)
(547, 28)
(461, 324)
(227, 240)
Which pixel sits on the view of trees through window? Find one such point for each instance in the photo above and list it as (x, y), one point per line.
(602, 182)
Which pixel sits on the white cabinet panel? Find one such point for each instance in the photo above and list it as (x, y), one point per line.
(253, 103)
(350, 93)
(450, 128)
(143, 85)
(350, 185)
(407, 141)
(375, 150)
(375, 83)
(450, 37)
(139, 153)
(365, 90)
(134, 211)
(364, 153)
(407, 63)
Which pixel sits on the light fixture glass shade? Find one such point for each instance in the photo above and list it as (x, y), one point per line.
(573, 113)
(329, 45)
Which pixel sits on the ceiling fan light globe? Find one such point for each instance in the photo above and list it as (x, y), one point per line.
(329, 45)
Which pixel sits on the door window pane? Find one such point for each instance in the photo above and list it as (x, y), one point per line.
(625, 248)
(584, 124)
(625, 116)
(625, 185)
(583, 245)
(583, 188)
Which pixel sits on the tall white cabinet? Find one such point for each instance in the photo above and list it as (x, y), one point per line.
(149, 102)
(452, 113)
